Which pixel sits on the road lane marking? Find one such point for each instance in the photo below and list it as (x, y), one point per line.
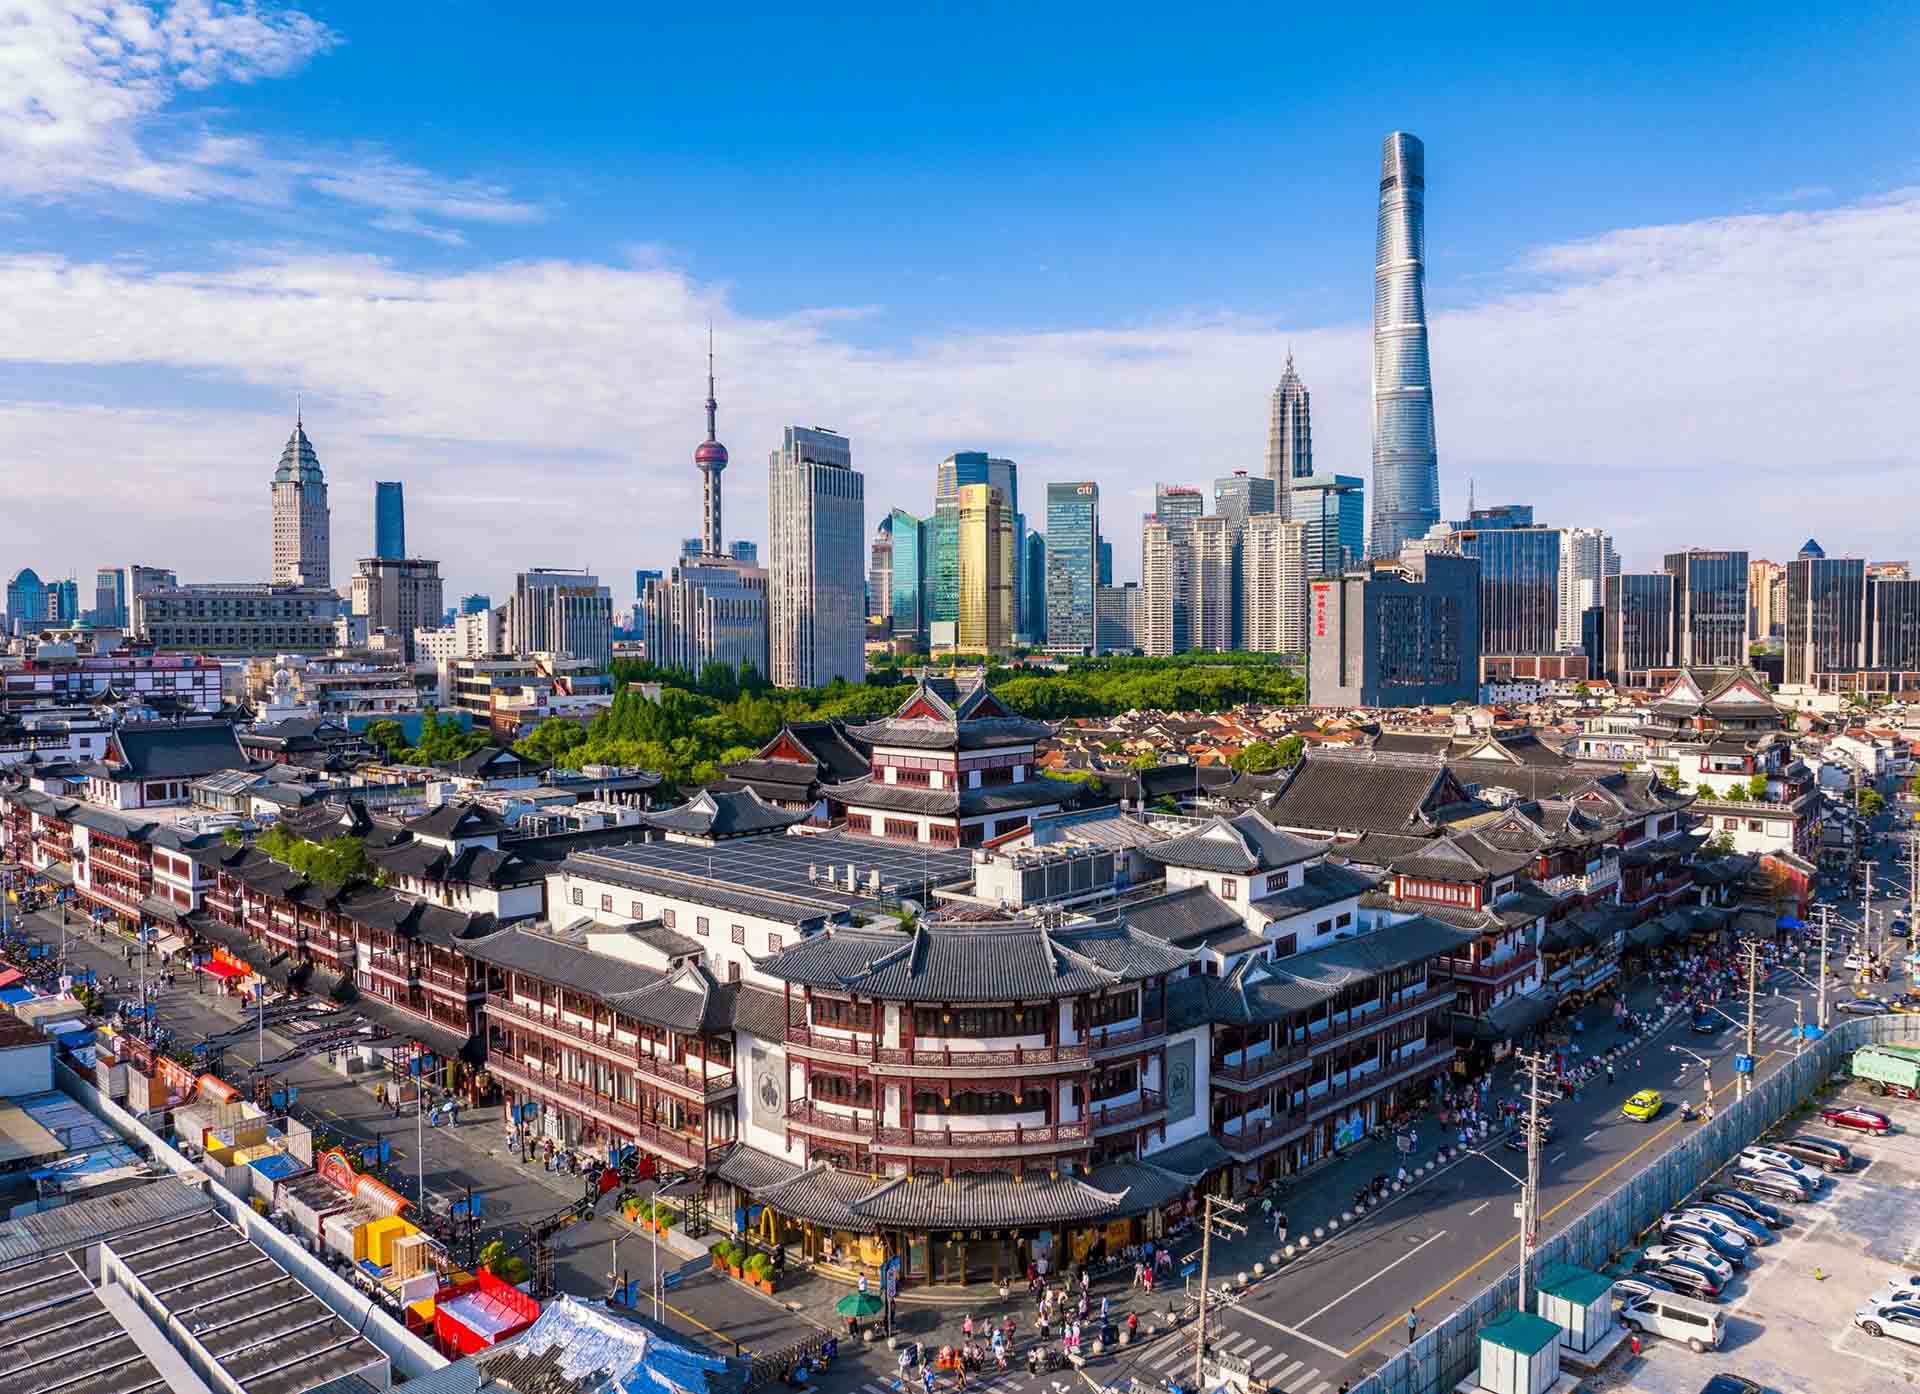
(1478, 1208)
(1292, 1331)
(1294, 1367)
(1279, 1359)
(1301, 1383)
(1557, 1155)
(1260, 1352)
(1437, 1234)
(1591, 1136)
(1399, 1322)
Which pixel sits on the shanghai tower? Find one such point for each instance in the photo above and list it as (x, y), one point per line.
(1406, 469)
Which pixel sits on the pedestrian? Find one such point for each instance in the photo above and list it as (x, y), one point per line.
(1413, 1324)
(966, 1327)
(1280, 1228)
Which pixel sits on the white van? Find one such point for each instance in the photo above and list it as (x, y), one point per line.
(1677, 1318)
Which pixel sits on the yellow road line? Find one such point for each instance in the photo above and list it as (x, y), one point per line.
(1399, 1322)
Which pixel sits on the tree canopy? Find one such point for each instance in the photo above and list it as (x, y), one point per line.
(441, 739)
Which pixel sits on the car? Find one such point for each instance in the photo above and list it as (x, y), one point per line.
(1706, 1260)
(1705, 1024)
(1762, 1156)
(1756, 1231)
(1751, 1206)
(1863, 1006)
(1902, 1287)
(1644, 1106)
(1680, 1276)
(1731, 1384)
(1627, 1290)
(1898, 929)
(1856, 1119)
(1900, 1320)
(1820, 1151)
(1774, 1183)
(1705, 1234)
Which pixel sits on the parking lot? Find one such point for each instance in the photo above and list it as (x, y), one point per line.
(1790, 1317)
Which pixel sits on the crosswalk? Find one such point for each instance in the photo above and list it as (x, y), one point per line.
(1281, 1370)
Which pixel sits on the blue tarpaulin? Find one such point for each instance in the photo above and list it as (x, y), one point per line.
(11, 995)
(277, 1167)
(1790, 922)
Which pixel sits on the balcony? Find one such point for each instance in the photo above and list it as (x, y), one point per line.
(1319, 1105)
(1265, 1067)
(1499, 974)
(805, 1116)
(1150, 1105)
(1577, 883)
(814, 1042)
(455, 985)
(1101, 1040)
(1260, 1068)
(1262, 1136)
(622, 1117)
(627, 1054)
(1010, 1061)
(391, 967)
(104, 855)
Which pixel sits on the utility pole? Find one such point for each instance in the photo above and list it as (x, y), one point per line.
(1799, 1025)
(1820, 1012)
(1751, 950)
(1537, 1066)
(1208, 1220)
(1866, 922)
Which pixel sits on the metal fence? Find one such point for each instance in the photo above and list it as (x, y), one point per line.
(1450, 1351)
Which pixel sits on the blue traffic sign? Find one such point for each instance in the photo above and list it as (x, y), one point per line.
(1743, 1064)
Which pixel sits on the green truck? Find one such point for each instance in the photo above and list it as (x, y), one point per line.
(1888, 1070)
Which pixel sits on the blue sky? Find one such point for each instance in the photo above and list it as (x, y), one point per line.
(1677, 248)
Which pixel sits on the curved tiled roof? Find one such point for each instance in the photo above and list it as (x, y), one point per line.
(854, 1201)
(1244, 844)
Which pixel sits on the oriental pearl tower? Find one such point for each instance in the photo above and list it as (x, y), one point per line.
(711, 458)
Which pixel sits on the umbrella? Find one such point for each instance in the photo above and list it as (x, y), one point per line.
(859, 1304)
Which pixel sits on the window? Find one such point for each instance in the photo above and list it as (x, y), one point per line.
(1729, 824)
(666, 918)
(579, 896)
(975, 1103)
(639, 910)
(842, 1090)
(733, 972)
(773, 943)
(969, 1022)
(1278, 881)
(700, 924)
(1343, 921)
(1104, 1011)
(1754, 825)
(1229, 888)
(739, 934)
(838, 1012)
(606, 904)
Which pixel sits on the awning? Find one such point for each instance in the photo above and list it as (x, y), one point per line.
(405, 1025)
(221, 969)
(10, 977)
(153, 907)
(169, 944)
(1191, 1159)
(1506, 1019)
(58, 874)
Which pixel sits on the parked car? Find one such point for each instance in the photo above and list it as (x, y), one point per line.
(1755, 1232)
(1627, 1290)
(1677, 1318)
(1681, 1276)
(1748, 1205)
(1731, 1384)
(1698, 1255)
(1821, 1152)
(1901, 1288)
(1780, 1159)
(1900, 1320)
(1705, 1024)
(1774, 1183)
(1720, 1239)
(1857, 1119)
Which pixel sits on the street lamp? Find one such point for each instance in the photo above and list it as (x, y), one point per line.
(1706, 1075)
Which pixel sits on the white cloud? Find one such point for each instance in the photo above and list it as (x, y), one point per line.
(1739, 381)
(85, 92)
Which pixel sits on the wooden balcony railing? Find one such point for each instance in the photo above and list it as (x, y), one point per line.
(623, 1117)
(809, 1117)
(500, 1007)
(1282, 1058)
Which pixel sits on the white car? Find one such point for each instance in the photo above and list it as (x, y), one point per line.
(1694, 1254)
(1900, 1320)
(1903, 1288)
(1779, 1161)
(1771, 1180)
(1712, 1224)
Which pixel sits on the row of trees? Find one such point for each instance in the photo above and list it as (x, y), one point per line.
(442, 739)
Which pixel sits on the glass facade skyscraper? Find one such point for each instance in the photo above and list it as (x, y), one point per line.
(1709, 608)
(1406, 466)
(1826, 616)
(1519, 588)
(1333, 506)
(1638, 626)
(1033, 577)
(909, 577)
(1073, 566)
(1241, 495)
(943, 563)
(1896, 625)
(389, 519)
(1289, 437)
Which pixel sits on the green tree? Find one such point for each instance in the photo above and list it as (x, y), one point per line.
(1145, 760)
(1757, 788)
(1719, 845)
(551, 740)
(1264, 757)
(390, 736)
(1872, 805)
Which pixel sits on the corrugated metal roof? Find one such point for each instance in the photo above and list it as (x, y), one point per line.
(89, 1221)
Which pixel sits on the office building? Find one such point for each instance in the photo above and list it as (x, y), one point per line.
(145, 580)
(1274, 566)
(1895, 634)
(389, 519)
(742, 550)
(1593, 638)
(559, 610)
(1587, 558)
(1117, 618)
(909, 609)
(1241, 495)
(63, 602)
(1709, 608)
(708, 610)
(817, 536)
(642, 577)
(1333, 506)
(1289, 438)
(691, 547)
(473, 604)
(1106, 562)
(110, 596)
(1176, 503)
(1827, 617)
(1499, 515)
(1073, 566)
(1766, 613)
(1406, 469)
(302, 522)
(985, 620)
(1211, 594)
(1519, 588)
(1638, 625)
(1399, 634)
(977, 467)
(943, 571)
(238, 618)
(880, 573)
(1033, 577)
(399, 595)
(26, 599)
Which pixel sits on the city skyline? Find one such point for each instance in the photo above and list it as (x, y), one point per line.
(191, 358)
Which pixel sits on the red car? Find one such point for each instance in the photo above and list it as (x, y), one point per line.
(1860, 1120)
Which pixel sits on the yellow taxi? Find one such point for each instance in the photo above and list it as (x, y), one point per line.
(1643, 1106)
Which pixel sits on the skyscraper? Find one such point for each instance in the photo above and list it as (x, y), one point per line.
(1333, 506)
(985, 620)
(966, 467)
(26, 599)
(389, 519)
(1117, 618)
(1406, 467)
(1161, 628)
(399, 595)
(943, 562)
(641, 577)
(110, 596)
(742, 550)
(710, 458)
(817, 534)
(880, 572)
(1587, 558)
(1519, 588)
(1073, 566)
(1396, 636)
(302, 523)
(1241, 495)
(1764, 619)
(908, 610)
(1174, 503)
(1211, 592)
(1274, 567)
(1827, 618)
(1033, 580)
(63, 601)
(1709, 607)
(479, 602)
(557, 610)
(1639, 624)
(1106, 562)
(1289, 438)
